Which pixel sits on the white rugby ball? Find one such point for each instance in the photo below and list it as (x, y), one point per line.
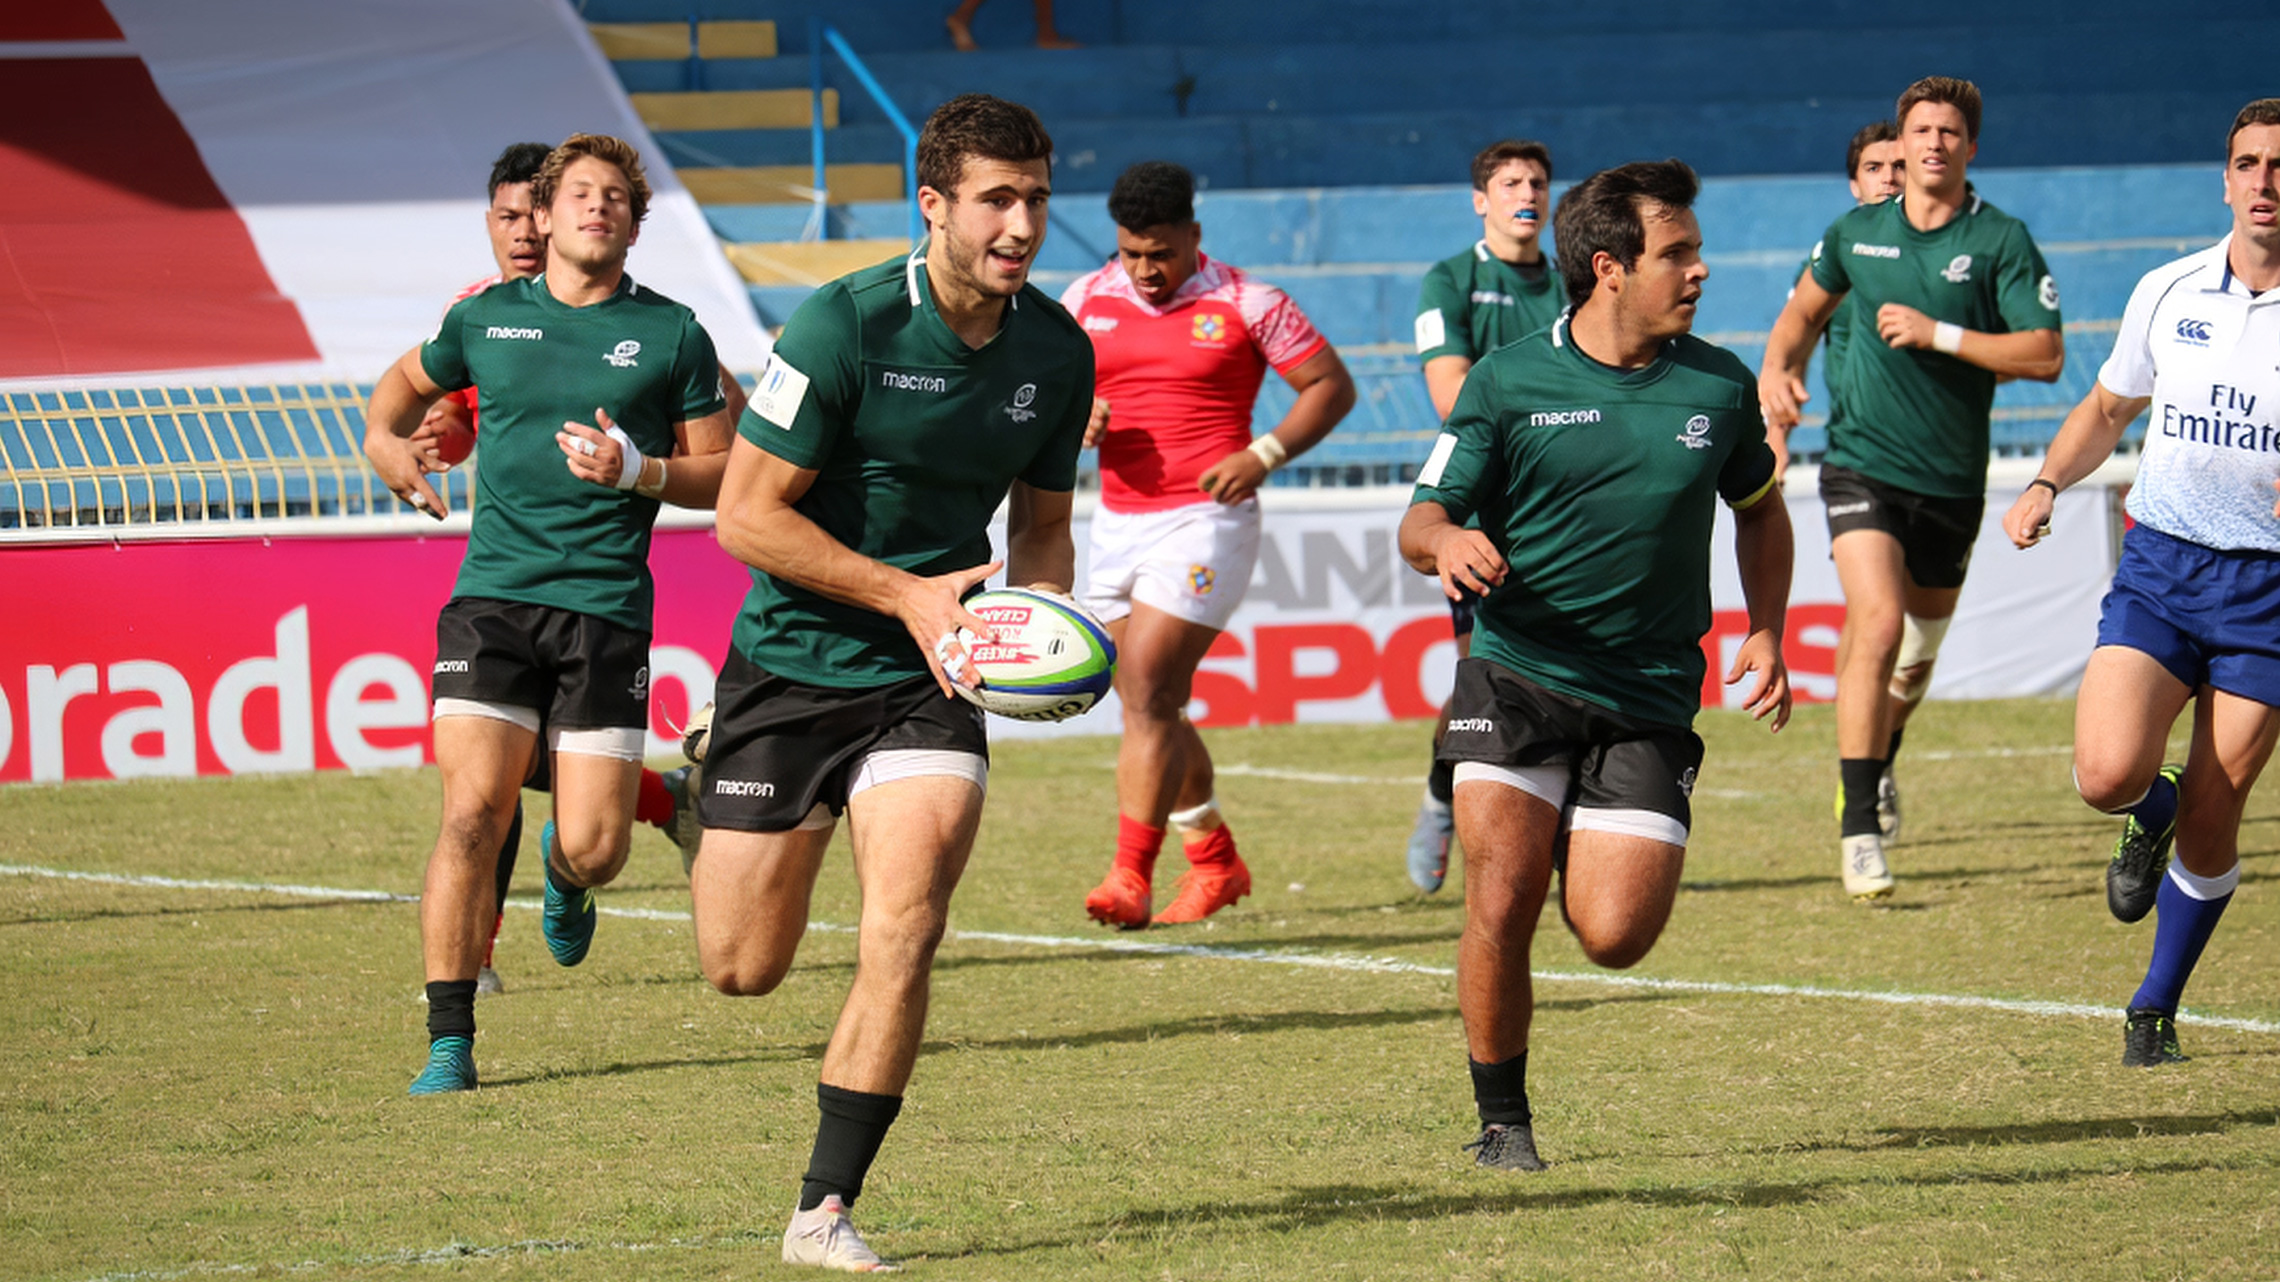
(1051, 659)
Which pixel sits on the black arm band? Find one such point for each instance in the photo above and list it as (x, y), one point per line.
(2046, 483)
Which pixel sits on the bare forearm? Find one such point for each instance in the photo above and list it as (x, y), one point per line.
(1422, 529)
(693, 480)
(1790, 347)
(2088, 436)
(790, 547)
(1316, 411)
(1764, 549)
(397, 406)
(2035, 354)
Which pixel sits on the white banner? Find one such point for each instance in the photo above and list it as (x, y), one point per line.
(1336, 627)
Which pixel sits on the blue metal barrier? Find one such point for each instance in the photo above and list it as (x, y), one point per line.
(820, 35)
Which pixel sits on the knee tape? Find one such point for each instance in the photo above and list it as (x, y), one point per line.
(1193, 818)
(1919, 650)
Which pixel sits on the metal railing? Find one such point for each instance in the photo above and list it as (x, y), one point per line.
(820, 35)
(144, 456)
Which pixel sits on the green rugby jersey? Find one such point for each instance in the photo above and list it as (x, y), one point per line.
(541, 535)
(1916, 418)
(915, 439)
(1472, 303)
(1597, 487)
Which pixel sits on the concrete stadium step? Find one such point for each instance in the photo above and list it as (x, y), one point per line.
(916, 25)
(809, 263)
(789, 184)
(736, 109)
(639, 40)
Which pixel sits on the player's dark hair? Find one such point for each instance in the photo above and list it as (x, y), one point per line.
(978, 125)
(1866, 137)
(1497, 155)
(1959, 94)
(602, 147)
(2264, 111)
(1606, 214)
(1153, 193)
(519, 163)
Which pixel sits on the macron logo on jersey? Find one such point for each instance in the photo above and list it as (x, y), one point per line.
(1876, 251)
(742, 788)
(1470, 725)
(522, 332)
(1562, 418)
(902, 382)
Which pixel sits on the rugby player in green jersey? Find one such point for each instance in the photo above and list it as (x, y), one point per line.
(548, 625)
(1503, 288)
(1594, 454)
(1960, 297)
(519, 251)
(1873, 169)
(902, 405)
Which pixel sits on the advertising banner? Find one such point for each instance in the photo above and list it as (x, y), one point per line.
(226, 656)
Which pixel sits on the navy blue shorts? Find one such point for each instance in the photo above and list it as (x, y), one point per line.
(2210, 617)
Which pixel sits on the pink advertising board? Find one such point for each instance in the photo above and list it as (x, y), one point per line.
(228, 656)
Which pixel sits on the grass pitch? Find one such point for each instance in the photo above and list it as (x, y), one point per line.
(210, 1081)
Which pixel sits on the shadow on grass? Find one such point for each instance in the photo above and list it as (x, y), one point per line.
(207, 910)
(1326, 1205)
(1274, 1022)
(2070, 1131)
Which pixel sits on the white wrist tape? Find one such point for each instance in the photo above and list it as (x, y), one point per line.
(1269, 450)
(629, 461)
(656, 491)
(1947, 338)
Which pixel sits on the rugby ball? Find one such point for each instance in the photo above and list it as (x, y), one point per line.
(1051, 659)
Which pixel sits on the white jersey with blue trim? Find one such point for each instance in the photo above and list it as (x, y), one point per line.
(2207, 350)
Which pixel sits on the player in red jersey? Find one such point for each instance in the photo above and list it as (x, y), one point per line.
(1182, 344)
(520, 252)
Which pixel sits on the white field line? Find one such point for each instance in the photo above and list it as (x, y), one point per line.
(1350, 962)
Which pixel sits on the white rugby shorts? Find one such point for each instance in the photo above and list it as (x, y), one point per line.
(1192, 561)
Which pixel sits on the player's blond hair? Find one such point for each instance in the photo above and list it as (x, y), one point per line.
(602, 147)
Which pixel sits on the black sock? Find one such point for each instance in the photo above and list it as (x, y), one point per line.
(1892, 749)
(451, 1008)
(1441, 782)
(1500, 1091)
(507, 852)
(1858, 776)
(847, 1138)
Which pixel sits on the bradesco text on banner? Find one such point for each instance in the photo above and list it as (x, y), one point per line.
(251, 655)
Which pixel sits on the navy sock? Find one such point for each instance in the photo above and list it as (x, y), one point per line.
(451, 1008)
(1500, 1091)
(1441, 781)
(847, 1138)
(1858, 775)
(2158, 808)
(507, 852)
(2181, 930)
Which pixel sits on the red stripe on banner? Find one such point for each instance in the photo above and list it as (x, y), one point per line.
(118, 253)
(58, 20)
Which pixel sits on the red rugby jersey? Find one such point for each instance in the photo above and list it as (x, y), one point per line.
(1181, 380)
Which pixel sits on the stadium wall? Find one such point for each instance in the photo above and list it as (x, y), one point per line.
(180, 656)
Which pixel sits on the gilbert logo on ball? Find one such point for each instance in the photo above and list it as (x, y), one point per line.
(1050, 661)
